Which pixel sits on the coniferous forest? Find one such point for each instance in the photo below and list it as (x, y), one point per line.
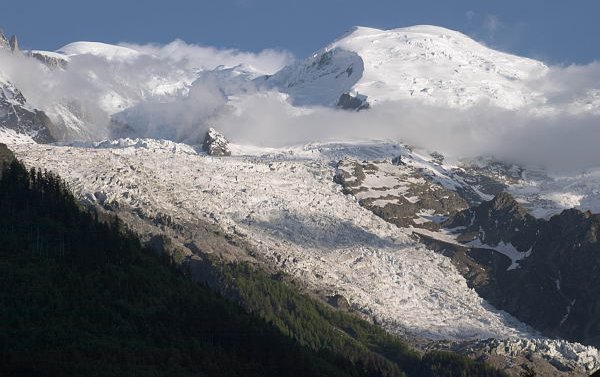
(82, 297)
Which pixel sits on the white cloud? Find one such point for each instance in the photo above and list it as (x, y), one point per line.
(562, 134)
(559, 141)
(492, 23)
(266, 61)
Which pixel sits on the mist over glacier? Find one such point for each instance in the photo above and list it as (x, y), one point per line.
(177, 91)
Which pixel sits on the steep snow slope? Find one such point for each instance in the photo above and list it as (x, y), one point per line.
(432, 64)
(296, 217)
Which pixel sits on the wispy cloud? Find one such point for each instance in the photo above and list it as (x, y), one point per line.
(205, 57)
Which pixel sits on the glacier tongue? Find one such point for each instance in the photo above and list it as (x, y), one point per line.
(298, 218)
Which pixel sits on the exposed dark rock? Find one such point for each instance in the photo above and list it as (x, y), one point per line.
(501, 219)
(556, 288)
(15, 114)
(340, 302)
(215, 144)
(397, 160)
(349, 102)
(401, 210)
(437, 157)
(489, 177)
(50, 61)
(14, 44)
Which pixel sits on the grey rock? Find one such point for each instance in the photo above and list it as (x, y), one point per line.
(51, 62)
(340, 302)
(349, 102)
(556, 288)
(215, 144)
(17, 115)
(3, 40)
(400, 210)
(14, 44)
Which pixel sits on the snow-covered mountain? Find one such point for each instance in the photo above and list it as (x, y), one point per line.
(342, 218)
(429, 63)
(83, 85)
(91, 83)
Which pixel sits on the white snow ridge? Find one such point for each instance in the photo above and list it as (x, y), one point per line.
(433, 64)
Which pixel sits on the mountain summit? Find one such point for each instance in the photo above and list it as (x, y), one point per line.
(433, 64)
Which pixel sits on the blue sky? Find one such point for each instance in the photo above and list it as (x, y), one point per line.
(556, 31)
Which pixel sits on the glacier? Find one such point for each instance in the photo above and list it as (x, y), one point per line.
(288, 207)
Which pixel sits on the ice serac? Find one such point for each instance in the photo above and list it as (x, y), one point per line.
(428, 63)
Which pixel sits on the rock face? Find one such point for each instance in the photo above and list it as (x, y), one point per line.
(398, 193)
(52, 62)
(14, 44)
(556, 285)
(501, 219)
(215, 144)
(18, 115)
(349, 102)
(3, 40)
(340, 302)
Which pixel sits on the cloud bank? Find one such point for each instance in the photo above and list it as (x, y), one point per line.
(558, 141)
(178, 90)
(193, 56)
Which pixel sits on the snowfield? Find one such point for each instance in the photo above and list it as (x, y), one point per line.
(431, 64)
(297, 217)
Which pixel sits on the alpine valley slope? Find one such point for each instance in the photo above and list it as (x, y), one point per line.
(297, 218)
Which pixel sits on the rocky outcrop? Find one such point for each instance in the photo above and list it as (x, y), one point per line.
(52, 62)
(349, 102)
(398, 193)
(501, 219)
(215, 144)
(339, 302)
(14, 44)
(556, 286)
(3, 40)
(16, 114)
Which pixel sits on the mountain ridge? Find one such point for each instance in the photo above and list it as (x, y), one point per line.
(436, 65)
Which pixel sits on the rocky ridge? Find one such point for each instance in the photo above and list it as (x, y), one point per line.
(215, 144)
(554, 286)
